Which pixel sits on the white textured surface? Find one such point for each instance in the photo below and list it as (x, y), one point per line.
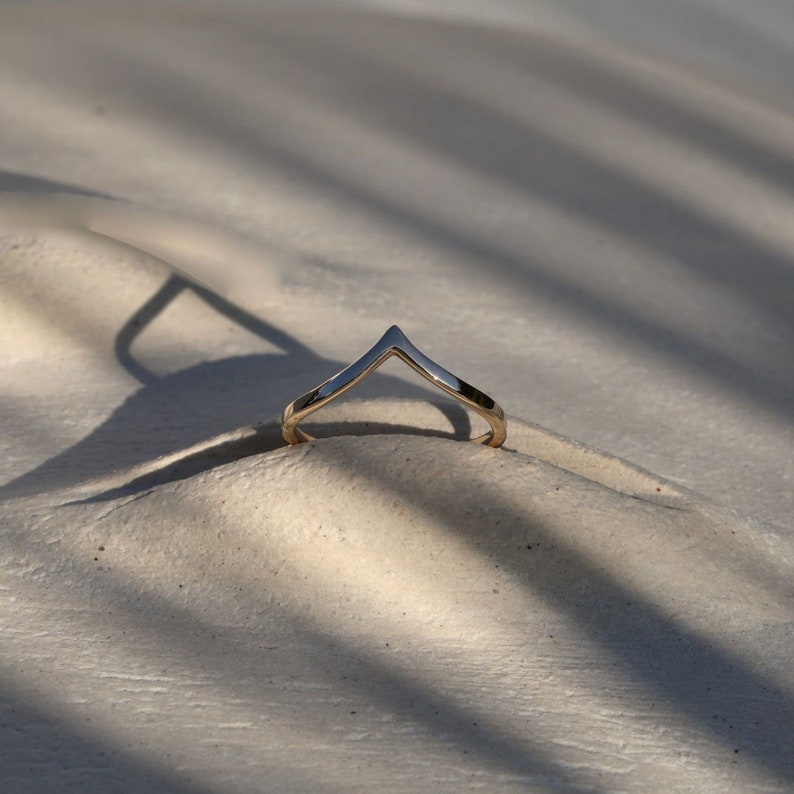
(599, 239)
(400, 612)
(604, 238)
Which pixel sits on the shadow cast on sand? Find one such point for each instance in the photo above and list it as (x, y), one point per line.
(56, 748)
(183, 409)
(729, 702)
(656, 654)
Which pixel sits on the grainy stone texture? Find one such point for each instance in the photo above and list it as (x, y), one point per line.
(598, 238)
(399, 611)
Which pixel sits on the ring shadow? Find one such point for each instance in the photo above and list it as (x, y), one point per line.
(185, 408)
(193, 404)
(699, 679)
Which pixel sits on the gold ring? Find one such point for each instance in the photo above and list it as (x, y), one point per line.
(394, 343)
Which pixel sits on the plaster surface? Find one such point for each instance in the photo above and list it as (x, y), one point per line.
(208, 209)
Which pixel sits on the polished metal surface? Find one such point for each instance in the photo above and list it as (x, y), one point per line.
(394, 343)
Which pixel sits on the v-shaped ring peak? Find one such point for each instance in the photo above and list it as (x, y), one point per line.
(394, 343)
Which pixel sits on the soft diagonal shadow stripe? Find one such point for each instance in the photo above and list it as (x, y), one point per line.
(709, 26)
(651, 648)
(47, 753)
(235, 655)
(15, 182)
(560, 186)
(774, 393)
(650, 103)
(456, 124)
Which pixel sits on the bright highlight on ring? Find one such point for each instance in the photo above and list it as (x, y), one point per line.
(394, 343)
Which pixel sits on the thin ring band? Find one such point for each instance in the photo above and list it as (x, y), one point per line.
(394, 343)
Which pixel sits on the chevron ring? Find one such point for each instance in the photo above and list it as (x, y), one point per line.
(394, 343)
